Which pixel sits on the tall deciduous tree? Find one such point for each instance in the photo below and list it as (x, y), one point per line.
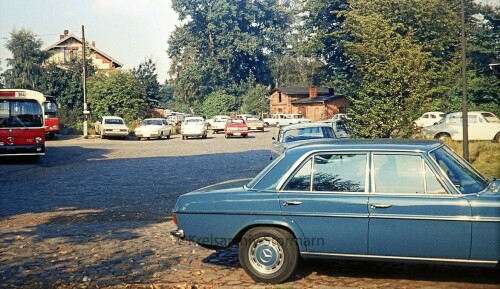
(147, 76)
(391, 77)
(119, 94)
(323, 21)
(25, 66)
(222, 42)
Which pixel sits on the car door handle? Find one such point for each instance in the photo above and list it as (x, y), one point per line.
(292, 203)
(379, 206)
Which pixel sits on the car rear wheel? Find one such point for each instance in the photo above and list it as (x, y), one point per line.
(168, 135)
(497, 138)
(268, 255)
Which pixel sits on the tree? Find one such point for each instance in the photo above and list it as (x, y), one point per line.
(218, 103)
(323, 22)
(147, 76)
(25, 66)
(254, 99)
(119, 94)
(222, 42)
(391, 76)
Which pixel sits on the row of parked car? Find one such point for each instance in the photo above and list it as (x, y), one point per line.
(192, 126)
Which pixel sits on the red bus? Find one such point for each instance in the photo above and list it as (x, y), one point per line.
(51, 119)
(22, 130)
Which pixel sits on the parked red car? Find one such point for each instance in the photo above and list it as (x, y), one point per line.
(236, 127)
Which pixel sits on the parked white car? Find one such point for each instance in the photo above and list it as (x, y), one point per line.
(217, 123)
(429, 118)
(193, 126)
(153, 128)
(111, 126)
(482, 125)
(284, 119)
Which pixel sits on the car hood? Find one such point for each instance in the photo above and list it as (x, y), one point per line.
(493, 188)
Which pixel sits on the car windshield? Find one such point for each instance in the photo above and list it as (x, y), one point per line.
(490, 117)
(304, 133)
(152, 122)
(462, 175)
(194, 121)
(113, 121)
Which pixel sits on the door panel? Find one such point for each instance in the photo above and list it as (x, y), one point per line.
(412, 217)
(327, 197)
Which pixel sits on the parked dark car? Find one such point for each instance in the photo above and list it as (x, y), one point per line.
(364, 199)
(296, 134)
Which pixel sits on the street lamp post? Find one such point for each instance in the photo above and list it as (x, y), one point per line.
(465, 119)
(84, 80)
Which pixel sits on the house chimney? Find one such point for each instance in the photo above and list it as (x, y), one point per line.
(66, 32)
(313, 92)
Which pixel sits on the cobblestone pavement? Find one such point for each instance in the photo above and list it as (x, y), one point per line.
(96, 214)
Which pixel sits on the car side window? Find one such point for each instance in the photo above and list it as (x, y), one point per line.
(398, 174)
(331, 173)
(339, 172)
(301, 181)
(433, 186)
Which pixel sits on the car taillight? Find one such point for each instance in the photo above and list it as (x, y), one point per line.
(174, 218)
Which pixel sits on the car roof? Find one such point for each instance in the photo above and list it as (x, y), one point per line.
(112, 116)
(304, 125)
(469, 112)
(368, 144)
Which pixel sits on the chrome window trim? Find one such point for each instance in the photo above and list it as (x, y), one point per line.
(423, 159)
(309, 157)
(355, 256)
(443, 173)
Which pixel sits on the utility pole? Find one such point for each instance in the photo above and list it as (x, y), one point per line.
(465, 119)
(84, 80)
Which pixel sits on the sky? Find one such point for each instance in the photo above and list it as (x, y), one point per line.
(129, 31)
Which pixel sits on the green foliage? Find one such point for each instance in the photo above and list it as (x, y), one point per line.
(218, 103)
(323, 24)
(223, 43)
(25, 66)
(147, 76)
(391, 78)
(254, 99)
(119, 94)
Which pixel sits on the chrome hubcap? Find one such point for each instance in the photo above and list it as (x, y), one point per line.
(266, 255)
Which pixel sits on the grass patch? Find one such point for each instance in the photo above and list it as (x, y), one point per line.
(483, 155)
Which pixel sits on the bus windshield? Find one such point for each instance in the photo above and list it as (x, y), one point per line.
(20, 113)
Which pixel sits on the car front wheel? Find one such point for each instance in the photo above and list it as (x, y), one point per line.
(268, 255)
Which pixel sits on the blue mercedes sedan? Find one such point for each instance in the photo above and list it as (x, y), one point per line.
(401, 200)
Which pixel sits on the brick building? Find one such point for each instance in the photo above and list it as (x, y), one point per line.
(315, 103)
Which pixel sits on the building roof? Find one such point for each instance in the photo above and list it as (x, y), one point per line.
(318, 99)
(60, 44)
(302, 90)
